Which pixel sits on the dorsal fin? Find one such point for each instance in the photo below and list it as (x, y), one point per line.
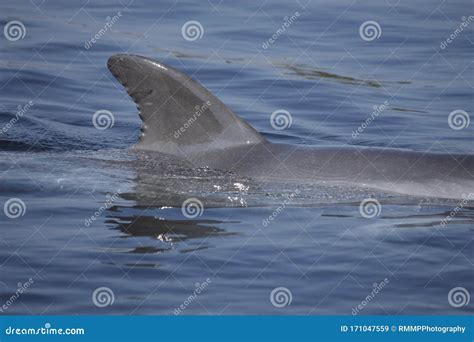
(179, 115)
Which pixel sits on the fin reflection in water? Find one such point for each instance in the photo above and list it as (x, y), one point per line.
(170, 234)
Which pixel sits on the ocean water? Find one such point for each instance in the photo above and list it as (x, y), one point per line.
(93, 228)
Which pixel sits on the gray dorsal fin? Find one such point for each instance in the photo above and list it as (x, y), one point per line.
(179, 115)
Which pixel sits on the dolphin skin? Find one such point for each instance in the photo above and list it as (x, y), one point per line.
(182, 119)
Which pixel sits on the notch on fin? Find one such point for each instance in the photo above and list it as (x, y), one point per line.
(179, 115)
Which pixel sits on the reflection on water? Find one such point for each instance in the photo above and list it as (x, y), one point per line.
(168, 233)
(314, 74)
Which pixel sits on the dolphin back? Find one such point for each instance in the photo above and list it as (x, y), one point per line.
(180, 116)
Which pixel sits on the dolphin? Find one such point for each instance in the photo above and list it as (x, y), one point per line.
(182, 119)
